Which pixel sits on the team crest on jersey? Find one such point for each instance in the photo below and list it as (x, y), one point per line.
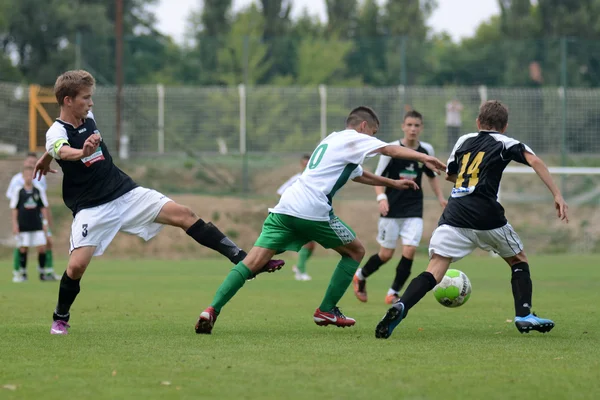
(30, 203)
(94, 158)
(409, 173)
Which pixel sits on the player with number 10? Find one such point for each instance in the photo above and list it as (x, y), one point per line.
(305, 213)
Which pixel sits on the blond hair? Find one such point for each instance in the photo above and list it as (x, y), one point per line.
(70, 84)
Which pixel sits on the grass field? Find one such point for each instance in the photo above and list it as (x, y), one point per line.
(132, 337)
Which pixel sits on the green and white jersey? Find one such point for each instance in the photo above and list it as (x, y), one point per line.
(335, 160)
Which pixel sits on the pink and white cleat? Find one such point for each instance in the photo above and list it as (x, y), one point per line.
(206, 321)
(59, 327)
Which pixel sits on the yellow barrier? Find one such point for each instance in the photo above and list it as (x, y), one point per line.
(38, 98)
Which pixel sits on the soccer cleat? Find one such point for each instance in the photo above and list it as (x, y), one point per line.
(360, 288)
(59, 327)
(533, 323)
(18, 278)
(297, 273)
(48, 277)
(206, 321)
(305, 277)
(271, 266)
(390, 321)
(391, 298)
(333, 317)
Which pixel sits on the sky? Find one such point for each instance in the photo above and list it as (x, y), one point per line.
(459, 18)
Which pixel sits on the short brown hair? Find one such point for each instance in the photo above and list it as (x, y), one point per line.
(413, 114)
(493, 115)
(360, 114)
(70, 84)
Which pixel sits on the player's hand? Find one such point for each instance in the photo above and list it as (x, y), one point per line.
(434, 164)
(561, 208)
(404, 184)
(91, 144)
(15, 230)
(443, 203)
(42, 167)
(384, 207)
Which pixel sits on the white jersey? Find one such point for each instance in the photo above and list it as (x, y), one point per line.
(337, 159)
(17, 182)
(288, 183)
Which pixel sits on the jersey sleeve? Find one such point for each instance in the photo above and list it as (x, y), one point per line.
(429, 149)
(43, 202)
(361, 146)
(514, 150)
(12, 186)
(56, 137)
(14, 198)
(358, 171)
(287, 184)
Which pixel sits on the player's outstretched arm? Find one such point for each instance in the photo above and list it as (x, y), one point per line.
(396, 151)
(42, 166)
(542, 171)
(368, 178)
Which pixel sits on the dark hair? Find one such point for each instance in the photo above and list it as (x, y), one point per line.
(413, 114)
(360, 114)
(32, 154)
(306, 156)
(493, 115)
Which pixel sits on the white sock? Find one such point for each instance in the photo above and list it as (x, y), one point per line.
(359, 274)
(392, 291)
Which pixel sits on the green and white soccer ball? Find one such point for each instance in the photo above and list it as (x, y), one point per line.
(454, 290)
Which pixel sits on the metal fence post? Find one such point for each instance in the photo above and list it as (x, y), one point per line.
(323, 97)
(160, 91)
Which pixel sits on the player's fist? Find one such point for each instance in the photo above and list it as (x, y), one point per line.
(434, 164)
(384, 207)
(91, 144)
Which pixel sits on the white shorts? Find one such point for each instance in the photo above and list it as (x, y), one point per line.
(31, 239)
(133, 213)
(456, 243)
(409, 229)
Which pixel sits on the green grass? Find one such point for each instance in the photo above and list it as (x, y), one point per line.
(132, 328)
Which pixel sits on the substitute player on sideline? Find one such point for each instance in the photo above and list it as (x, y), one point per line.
(103, 199)
(473, 218)
(401, 211)
(305, 213)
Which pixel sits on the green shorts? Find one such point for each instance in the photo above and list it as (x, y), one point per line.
(283, 232)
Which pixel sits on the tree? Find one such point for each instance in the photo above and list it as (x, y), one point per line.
(341, 18)
(209, 30)
(281, 49)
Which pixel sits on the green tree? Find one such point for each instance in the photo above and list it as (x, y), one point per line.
(281, 48)
(341, 18)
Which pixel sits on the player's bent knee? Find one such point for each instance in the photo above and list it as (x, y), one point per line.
(516, 259)
(385, 255)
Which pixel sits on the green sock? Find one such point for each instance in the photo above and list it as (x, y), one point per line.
(16, 260)
(341, 279)
(303, 255)
(49, 260)
(234, 282)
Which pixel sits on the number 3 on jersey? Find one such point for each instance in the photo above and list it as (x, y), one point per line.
(469, 171)
(317, 156)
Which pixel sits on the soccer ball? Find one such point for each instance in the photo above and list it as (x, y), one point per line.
(454, 290)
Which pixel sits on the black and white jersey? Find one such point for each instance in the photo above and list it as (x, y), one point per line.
(478, 160)
(93, 180)
(29, 204)
(405, 203)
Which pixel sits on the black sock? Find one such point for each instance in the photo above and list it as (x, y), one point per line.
(402, 273)
(372, 265)
(68, 291)
(42, 260)
(23, 260)
(210, 236)
(522, 289)
(417, 288)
